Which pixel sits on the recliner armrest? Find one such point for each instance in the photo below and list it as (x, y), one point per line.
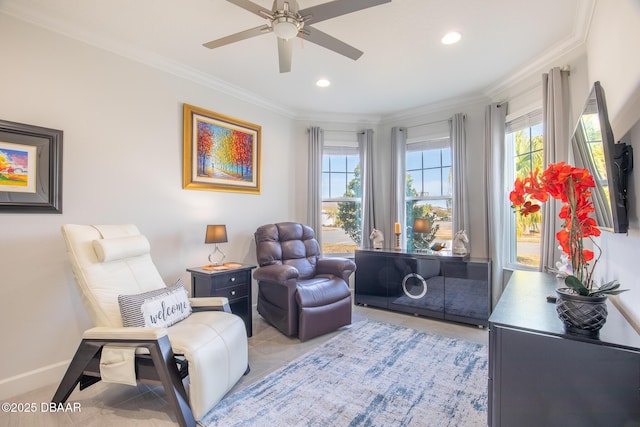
(123, 333)
(210, 304)
(278, 273)
(341, 267)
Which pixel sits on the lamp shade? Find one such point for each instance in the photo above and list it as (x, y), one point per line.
(216, 234)
(421, 225)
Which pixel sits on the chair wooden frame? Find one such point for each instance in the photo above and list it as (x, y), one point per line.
(159, 367)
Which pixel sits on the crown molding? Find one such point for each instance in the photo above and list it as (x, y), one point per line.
(575, 40)
(436, 107)
(347, 118)
(152, 60)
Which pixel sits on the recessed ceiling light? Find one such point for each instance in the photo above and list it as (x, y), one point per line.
(323, 83)
(451, 38)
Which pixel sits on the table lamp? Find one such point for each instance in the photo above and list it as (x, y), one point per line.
(420, 225)
(216, 234)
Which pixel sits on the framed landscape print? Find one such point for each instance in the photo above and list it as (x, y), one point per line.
(30, 169)
(220, 153)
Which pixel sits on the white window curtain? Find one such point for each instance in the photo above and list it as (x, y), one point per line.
(365, 143)
(556, 124)
(497, 193)
(460, 196)
(314, 195)
(398, 159)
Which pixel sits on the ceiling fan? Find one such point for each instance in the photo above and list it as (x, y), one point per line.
(287, 21)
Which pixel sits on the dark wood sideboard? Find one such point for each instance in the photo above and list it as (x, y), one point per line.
(541, 376)
(435, 285)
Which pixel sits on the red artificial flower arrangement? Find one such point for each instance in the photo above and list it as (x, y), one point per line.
(572, 186)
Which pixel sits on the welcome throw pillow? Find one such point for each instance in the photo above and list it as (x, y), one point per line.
(159, 308)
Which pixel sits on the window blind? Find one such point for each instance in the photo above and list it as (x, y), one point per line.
(429, 136)
(525, 121)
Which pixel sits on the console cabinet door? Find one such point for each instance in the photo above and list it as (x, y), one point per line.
(416, 286)
(467, 291)
(542, 380)
(371, 279)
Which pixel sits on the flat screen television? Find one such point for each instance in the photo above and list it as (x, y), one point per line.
(594, 148)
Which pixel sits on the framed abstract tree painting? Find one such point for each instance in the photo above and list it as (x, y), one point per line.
(220, 153)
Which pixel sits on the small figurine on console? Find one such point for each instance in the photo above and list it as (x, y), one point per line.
(377, 237)
(563, 267)
(460, 241)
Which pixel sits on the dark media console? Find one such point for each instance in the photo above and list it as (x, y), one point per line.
(434, 285)
(540, 375)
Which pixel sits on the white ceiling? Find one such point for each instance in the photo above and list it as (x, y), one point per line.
(404, 65)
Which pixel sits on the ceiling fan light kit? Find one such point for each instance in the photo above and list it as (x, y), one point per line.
(285, 27)
(286, 21)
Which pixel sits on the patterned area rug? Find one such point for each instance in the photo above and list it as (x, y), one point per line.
(372, 374)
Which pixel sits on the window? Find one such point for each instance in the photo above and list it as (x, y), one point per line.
(341, 199)
(429, 183)
(524, 148)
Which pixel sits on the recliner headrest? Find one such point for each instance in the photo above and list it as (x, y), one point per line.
(121, 247)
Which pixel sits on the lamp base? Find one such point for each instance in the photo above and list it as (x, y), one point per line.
(216, 257)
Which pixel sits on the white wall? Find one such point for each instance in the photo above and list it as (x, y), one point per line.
(122, 152)
(613, 59)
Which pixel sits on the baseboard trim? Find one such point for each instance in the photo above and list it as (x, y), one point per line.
(32, 380)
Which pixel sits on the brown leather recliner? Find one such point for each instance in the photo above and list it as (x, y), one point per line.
(300, 293)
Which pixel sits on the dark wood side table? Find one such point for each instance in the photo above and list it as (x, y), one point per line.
(234, 283)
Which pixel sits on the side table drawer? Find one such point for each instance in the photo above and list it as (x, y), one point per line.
(231, 292)
(230, 279)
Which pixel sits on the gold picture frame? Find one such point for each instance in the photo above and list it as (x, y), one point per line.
(220, 153)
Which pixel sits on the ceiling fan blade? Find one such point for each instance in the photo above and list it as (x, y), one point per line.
(335, 8)
(242, 35)
(252, 7)
(285, 52)
(325, 40)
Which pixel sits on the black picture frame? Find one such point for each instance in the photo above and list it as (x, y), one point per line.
(46, 146)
